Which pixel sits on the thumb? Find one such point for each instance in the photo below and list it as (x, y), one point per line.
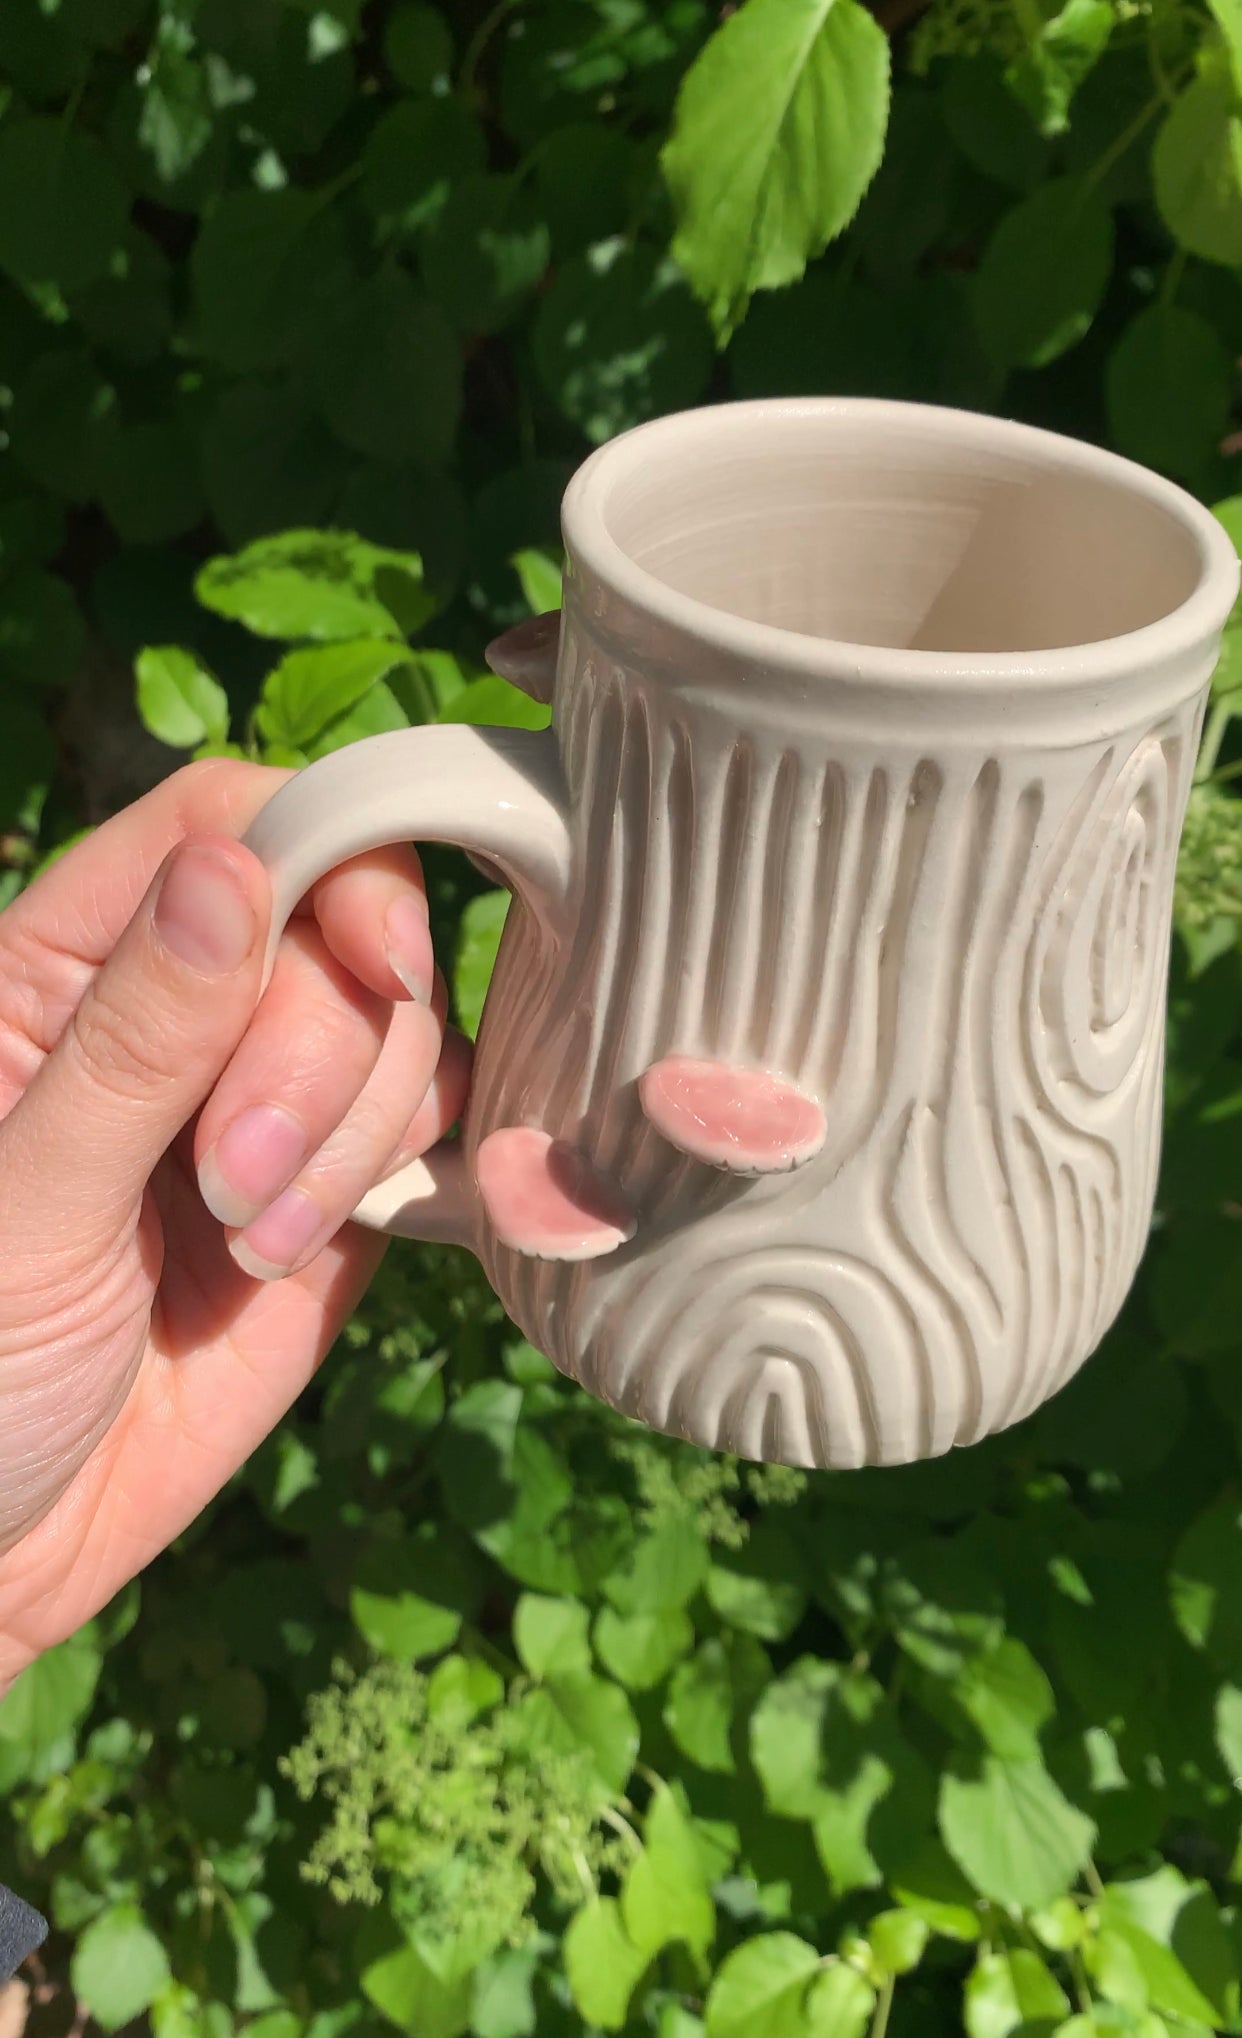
(142, 1052)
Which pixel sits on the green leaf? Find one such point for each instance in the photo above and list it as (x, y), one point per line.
(1205, 1581)
(778, 130)
(665, 1897)
(118, 1966)
(930, 1883)
(839, 2004)
(387, 372)
(897, 1939)
(27, 761)
(663, 1571)
(313, 687)
(485, 252)
(583, 173)
(409, 1598)
(759, 1588)
(1012, 1832)
(551, 1636)
(267, 269)
(320, 584)
(1007, 1696)
(1228, 1734)
(1196, 1285)
(62, 409)
(494, 703)
(943, 1608)
(269, 461)
(415, 155)
(760, 1988)
(639, 1649)
(540, 575)
(418, 47)
(993, 132)
(42, 638)
(1228, 15)
(1007, 1991)
(597, 1716)
(619, 339)
(602, 1965)
(1179, 1945)
(1169, 388)
(1050, 70)
(1197, 170)
(1043, 273)
(405, 1989)
(42, 1708)
(148, 481)
(177, 117)
(478, 943)
(179, 700)
(62, 206)
(699, 1713)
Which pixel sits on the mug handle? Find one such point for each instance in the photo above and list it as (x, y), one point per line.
(497, 793)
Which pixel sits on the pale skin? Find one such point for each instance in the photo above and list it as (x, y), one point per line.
(179, 1155)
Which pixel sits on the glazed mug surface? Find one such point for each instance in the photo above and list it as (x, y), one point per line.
(817, 1099)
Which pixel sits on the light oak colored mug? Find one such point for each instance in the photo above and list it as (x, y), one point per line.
(817, 1103)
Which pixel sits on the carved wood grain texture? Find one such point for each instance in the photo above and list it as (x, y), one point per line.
(962, 955)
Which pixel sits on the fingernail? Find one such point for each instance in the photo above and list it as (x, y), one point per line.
(268, 1247)
(407, 935)
(251, 1162)
(202, 914)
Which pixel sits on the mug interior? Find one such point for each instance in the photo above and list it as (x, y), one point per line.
(901, 527)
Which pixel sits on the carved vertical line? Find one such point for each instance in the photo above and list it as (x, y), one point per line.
(736, 841)
(806, 905)
(777, 965)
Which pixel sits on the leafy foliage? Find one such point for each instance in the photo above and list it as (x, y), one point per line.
(469, 1707)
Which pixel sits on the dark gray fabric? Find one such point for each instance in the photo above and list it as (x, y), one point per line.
(21, 1930)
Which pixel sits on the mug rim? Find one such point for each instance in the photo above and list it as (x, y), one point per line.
(1193, 623)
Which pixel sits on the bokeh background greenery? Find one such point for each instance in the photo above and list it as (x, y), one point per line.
(468, 1708)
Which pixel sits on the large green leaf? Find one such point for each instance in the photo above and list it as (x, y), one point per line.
(1205, 1582)
(314, 687)
(478, 944)
(1012, 1832)
(118, 1966)
(551, 1636)
(1197, 170)
(1043, 273)
(1169, 387)
(42, 636)
(619, 338)
(322, 584)
(839, 2004)
(415, 154)
(42, 1708)
(485, 252)
(602, 1964)
(665, 1897)
(639, 1649)
(388, 372)
(779, 129)
(760, 1989)
(62, 205)
(180, 701)
(267, 268)
(1008, 1991)
(405, 1988)
(409, 1598)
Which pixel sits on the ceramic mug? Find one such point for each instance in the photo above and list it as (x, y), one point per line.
(817, 1100)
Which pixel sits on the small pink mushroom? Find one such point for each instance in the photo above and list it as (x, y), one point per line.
(746, 1120)
(544, 1199)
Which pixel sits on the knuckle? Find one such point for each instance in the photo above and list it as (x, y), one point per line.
(122, 1057)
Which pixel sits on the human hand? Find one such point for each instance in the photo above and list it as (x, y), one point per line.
(178, 1159)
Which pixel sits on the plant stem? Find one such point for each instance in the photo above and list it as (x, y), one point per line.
(479, 40)
(884, 2003)
(1121, 142)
